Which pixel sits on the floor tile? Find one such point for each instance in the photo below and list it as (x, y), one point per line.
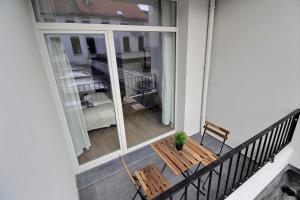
(88, 193)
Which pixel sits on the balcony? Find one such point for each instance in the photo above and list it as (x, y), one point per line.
(110, 181)
(231, 170)
(233, 62)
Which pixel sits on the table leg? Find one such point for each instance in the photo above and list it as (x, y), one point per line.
(163, 168)
(203, 187)
(198, 166)
(197, 187)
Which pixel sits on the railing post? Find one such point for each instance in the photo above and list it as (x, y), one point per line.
(283, 133)
(209, 183)
(277, 145)
(219, 180)
(292, 128)
(228, 175)
(243, 165)
(198, 188)
(268, 146)
(263, 150)
(273, 147)
(250, 159)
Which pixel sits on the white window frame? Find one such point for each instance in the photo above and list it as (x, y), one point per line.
(41, 29)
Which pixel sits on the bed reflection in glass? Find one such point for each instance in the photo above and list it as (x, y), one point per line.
(81, 70)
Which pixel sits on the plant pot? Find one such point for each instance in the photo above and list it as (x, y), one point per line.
(179, 147)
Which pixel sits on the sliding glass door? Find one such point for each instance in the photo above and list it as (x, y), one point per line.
(112, 63)
(142, 74)
(82, 71)
(146, 69)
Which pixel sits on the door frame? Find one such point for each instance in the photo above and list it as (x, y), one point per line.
(113, 74)
(107, 29)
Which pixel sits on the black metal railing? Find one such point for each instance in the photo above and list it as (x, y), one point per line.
(138, 84)
(232, 169)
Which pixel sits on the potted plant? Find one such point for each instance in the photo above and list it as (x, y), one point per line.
(180, 139)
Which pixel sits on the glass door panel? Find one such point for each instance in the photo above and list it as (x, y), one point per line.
(82, 73)
(146, 69)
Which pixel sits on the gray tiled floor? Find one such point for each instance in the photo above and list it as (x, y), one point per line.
(110, 181)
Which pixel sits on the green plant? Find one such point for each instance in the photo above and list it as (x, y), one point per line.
(180, 137)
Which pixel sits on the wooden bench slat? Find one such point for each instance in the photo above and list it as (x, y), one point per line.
(196, 154)
(197, 148)
(180, 156)
(188, 150)
(192, 158)
(218, 133)
(150, 187)
(207, 155)
(160, 186)
(151, 181)
(172, 157)
(200, 147)
(217, 127)
(165, 158)
(165, 183)
(141, 180)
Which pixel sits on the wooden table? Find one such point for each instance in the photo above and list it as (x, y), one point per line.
(181, 161)
(130, 105)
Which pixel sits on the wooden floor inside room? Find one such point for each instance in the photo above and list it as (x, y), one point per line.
(139, 128)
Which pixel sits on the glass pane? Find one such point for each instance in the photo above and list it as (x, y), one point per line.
(146, 67)
(126, 12)
(81, 70)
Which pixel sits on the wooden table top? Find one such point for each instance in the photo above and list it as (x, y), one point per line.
(179, 161)
(128, 100)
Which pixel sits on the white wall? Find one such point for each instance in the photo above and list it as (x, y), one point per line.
(255, 68)
(34, 160)
(182, 23)
(197, 29)
(192, 27)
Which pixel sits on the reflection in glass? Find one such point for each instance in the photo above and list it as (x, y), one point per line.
(147, 83)
(125, 12)
(81, 70)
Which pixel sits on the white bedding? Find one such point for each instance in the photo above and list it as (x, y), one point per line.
(100, 116)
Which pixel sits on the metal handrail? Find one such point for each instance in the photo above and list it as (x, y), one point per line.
(278, 136)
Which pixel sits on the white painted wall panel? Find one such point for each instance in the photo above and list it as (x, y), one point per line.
(255, 68)
(192, 28)
(35, 163)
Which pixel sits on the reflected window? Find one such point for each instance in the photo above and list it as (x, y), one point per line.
(70, 21)
(90, 41)
(131, 12)
(76, 45)
(141, 43)
(126, 44)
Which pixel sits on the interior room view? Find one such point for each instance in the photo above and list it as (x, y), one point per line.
(82, 66)
(83, 77)
(150, 99)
